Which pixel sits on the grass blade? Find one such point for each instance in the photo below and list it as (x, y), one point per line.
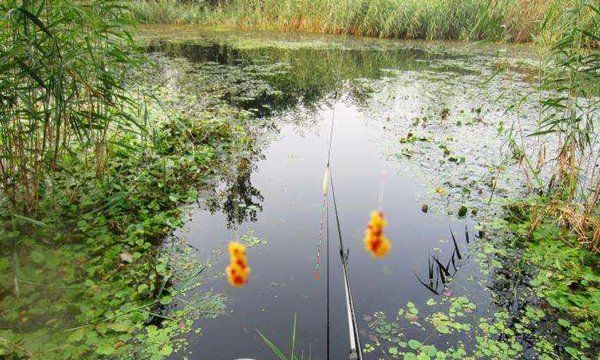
(293, 340)
(30, 220)
(272, 346)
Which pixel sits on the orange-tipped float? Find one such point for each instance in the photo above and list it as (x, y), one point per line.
(238, 270)
(375, 243)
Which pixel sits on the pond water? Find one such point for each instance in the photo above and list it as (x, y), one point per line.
(426, 115)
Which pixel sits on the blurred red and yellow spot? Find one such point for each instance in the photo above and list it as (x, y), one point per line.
(238, 270)
(375, 243)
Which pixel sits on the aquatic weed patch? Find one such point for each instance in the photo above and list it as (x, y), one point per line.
(544, 300)
(514, 325)
(88, 277)
(567, 277)
(200, 148)
(449, 119)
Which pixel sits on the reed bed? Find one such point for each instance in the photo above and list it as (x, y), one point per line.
(61, 92)
(512, 20)
(170, 12)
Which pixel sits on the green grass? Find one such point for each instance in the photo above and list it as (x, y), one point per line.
(83, 278)
(169, 12)
(90, 186)
(278, 352)
(517, 21)
(59, 91)
(412, 19)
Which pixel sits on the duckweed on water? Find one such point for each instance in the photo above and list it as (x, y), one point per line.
(481, 338)
(90, 277)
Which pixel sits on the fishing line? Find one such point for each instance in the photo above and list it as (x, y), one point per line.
(382, 182)
(327, 281)
(325, 190)
(384, 175)
(324, 228)
(322, 213)
(236, 221)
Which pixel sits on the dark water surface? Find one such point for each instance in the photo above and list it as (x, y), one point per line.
(282, 281)
(374, 97)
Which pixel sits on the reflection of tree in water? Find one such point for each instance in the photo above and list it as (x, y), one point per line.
(242, 201)
(266, 79)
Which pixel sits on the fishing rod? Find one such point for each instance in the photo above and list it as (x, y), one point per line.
(355, 347)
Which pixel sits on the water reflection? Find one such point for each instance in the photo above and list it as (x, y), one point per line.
(304, 76)
(274, 192)
(242, 201)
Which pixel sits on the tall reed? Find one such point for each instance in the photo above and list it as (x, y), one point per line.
(569, 42)
(63, 65)
(512, 20)
(571, 37)
(171, 12)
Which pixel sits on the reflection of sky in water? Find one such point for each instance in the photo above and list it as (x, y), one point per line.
(282, 282)
(289, 179)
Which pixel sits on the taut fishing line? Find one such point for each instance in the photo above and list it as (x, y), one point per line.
(384, 174)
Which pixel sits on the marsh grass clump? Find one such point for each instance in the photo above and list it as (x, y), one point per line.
(90, 187)
(431, 19)
(518, 21)
(279, 354)
(170, 12)
(559, 227)
(61, 91)
(89, 279)
(565, 274)
(570, 193)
